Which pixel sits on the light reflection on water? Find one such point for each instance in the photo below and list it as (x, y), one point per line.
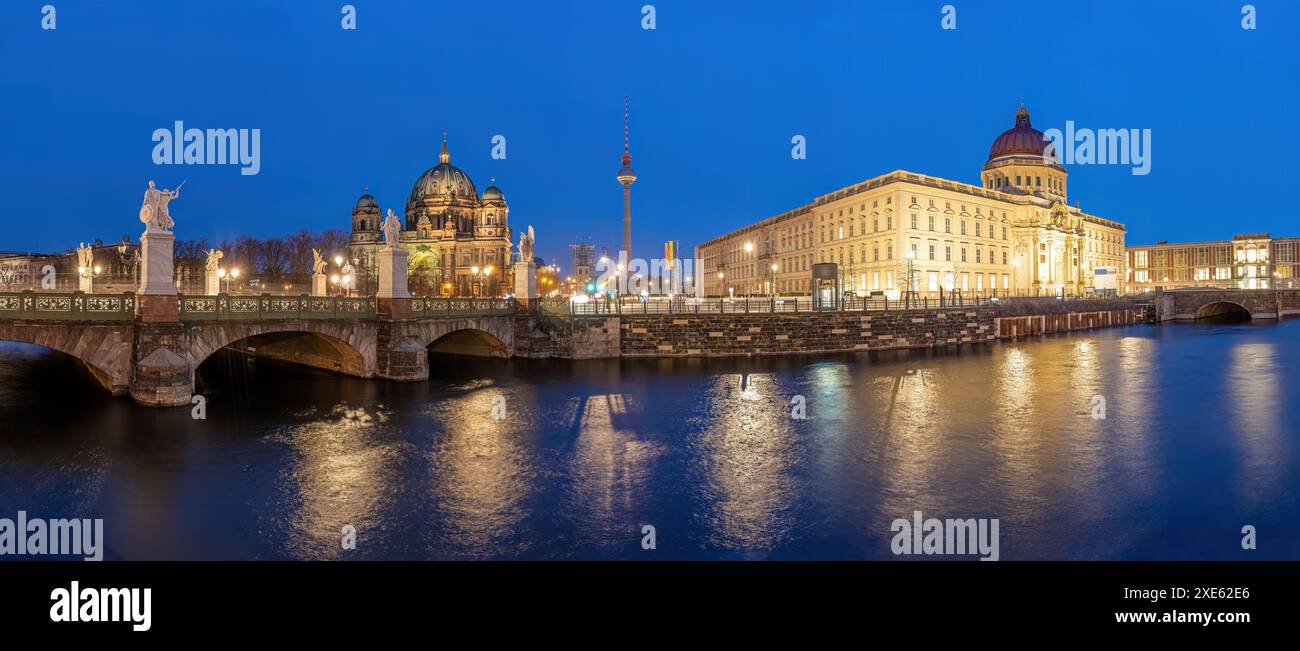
(1198, 440)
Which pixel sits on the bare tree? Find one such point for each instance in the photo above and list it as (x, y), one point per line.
(276, 257)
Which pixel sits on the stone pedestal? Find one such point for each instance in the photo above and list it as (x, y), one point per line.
(155, 302)
(156, 263)
(392, 273)
(525, 282)
(212, 283)
(87, 283)
(393, 300)
(318, 285)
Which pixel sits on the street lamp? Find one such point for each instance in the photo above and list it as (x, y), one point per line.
(1015, 272)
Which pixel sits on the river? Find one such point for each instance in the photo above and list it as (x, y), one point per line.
(549, 459)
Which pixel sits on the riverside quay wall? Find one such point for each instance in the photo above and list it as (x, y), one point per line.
(726, 335)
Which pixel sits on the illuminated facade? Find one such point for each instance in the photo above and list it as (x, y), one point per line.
(459, 240)
(1251, 261)
(1014, 234)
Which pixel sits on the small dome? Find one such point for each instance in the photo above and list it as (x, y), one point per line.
(1020, 140)
(493, 193)
(366, 203)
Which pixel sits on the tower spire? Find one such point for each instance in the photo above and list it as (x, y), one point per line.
(626, 177)
(444, 157)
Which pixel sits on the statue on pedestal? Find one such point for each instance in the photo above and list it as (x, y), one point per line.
(392, 229)
(85, 259)
(214, 260)
(318, 263)
(154, 212)
(526, 246)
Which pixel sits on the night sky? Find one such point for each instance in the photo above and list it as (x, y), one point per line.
(717, 92)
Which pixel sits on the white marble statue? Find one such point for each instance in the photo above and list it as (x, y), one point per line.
(526, 246)
(392, 229)
(85, 258)
(214, 259)
(318, 263)
(154, 212)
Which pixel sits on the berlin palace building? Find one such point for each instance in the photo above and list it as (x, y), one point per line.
(459, 240)
(1014, 234)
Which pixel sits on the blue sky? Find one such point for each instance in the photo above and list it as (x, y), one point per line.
(717, 89)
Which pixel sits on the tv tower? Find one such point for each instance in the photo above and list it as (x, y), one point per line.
(627, 176)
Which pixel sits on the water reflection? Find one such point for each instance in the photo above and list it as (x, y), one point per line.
(1251, 400)
(705, 449)
(747, 453)
(342, 475)
(481, 474)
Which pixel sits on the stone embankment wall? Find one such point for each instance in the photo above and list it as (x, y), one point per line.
(724, 335)
(823, 332)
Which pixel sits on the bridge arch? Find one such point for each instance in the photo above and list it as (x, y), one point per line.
(470, 341)
(1224, 310)
(479, 337)
(104, 349)
(346, 347)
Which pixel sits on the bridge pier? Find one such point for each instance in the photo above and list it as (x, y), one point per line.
(161, 377)
(399, 354)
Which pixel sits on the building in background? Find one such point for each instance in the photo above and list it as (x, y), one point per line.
(1249, 261)
(116, 269)
(459, 241)
(583, 261)
(1014, 234)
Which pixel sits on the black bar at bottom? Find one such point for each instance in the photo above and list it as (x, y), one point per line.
(1007, 597)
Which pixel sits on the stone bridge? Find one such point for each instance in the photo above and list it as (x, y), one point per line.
(154, 360)
(1193, 304)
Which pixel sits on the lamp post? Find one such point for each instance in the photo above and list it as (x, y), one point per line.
(911, 276)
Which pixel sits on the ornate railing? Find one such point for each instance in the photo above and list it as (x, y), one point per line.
(224, 307)
(434, 307)
(757, 305)
(75, 306)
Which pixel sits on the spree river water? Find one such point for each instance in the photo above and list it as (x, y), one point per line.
(1200, 437)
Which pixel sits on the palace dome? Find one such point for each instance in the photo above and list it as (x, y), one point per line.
(442, 181)
(1020, 140)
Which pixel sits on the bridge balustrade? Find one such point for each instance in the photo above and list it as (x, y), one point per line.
(224, 307)
(76, 306)
(428, 307)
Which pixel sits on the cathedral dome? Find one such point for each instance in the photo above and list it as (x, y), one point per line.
(1020, 140)
(493, 193)
(444, 181)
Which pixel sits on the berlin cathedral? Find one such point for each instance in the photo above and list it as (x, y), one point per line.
(459, 240)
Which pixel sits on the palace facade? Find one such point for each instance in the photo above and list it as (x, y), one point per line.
(459, 240)
(1014, 234)
(1251, 261)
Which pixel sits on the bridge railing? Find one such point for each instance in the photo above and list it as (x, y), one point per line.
(224, 307)
(75, 306)
(752, 305)
(439, 306)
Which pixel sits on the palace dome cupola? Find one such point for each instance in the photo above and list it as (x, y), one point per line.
(1018, 163)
